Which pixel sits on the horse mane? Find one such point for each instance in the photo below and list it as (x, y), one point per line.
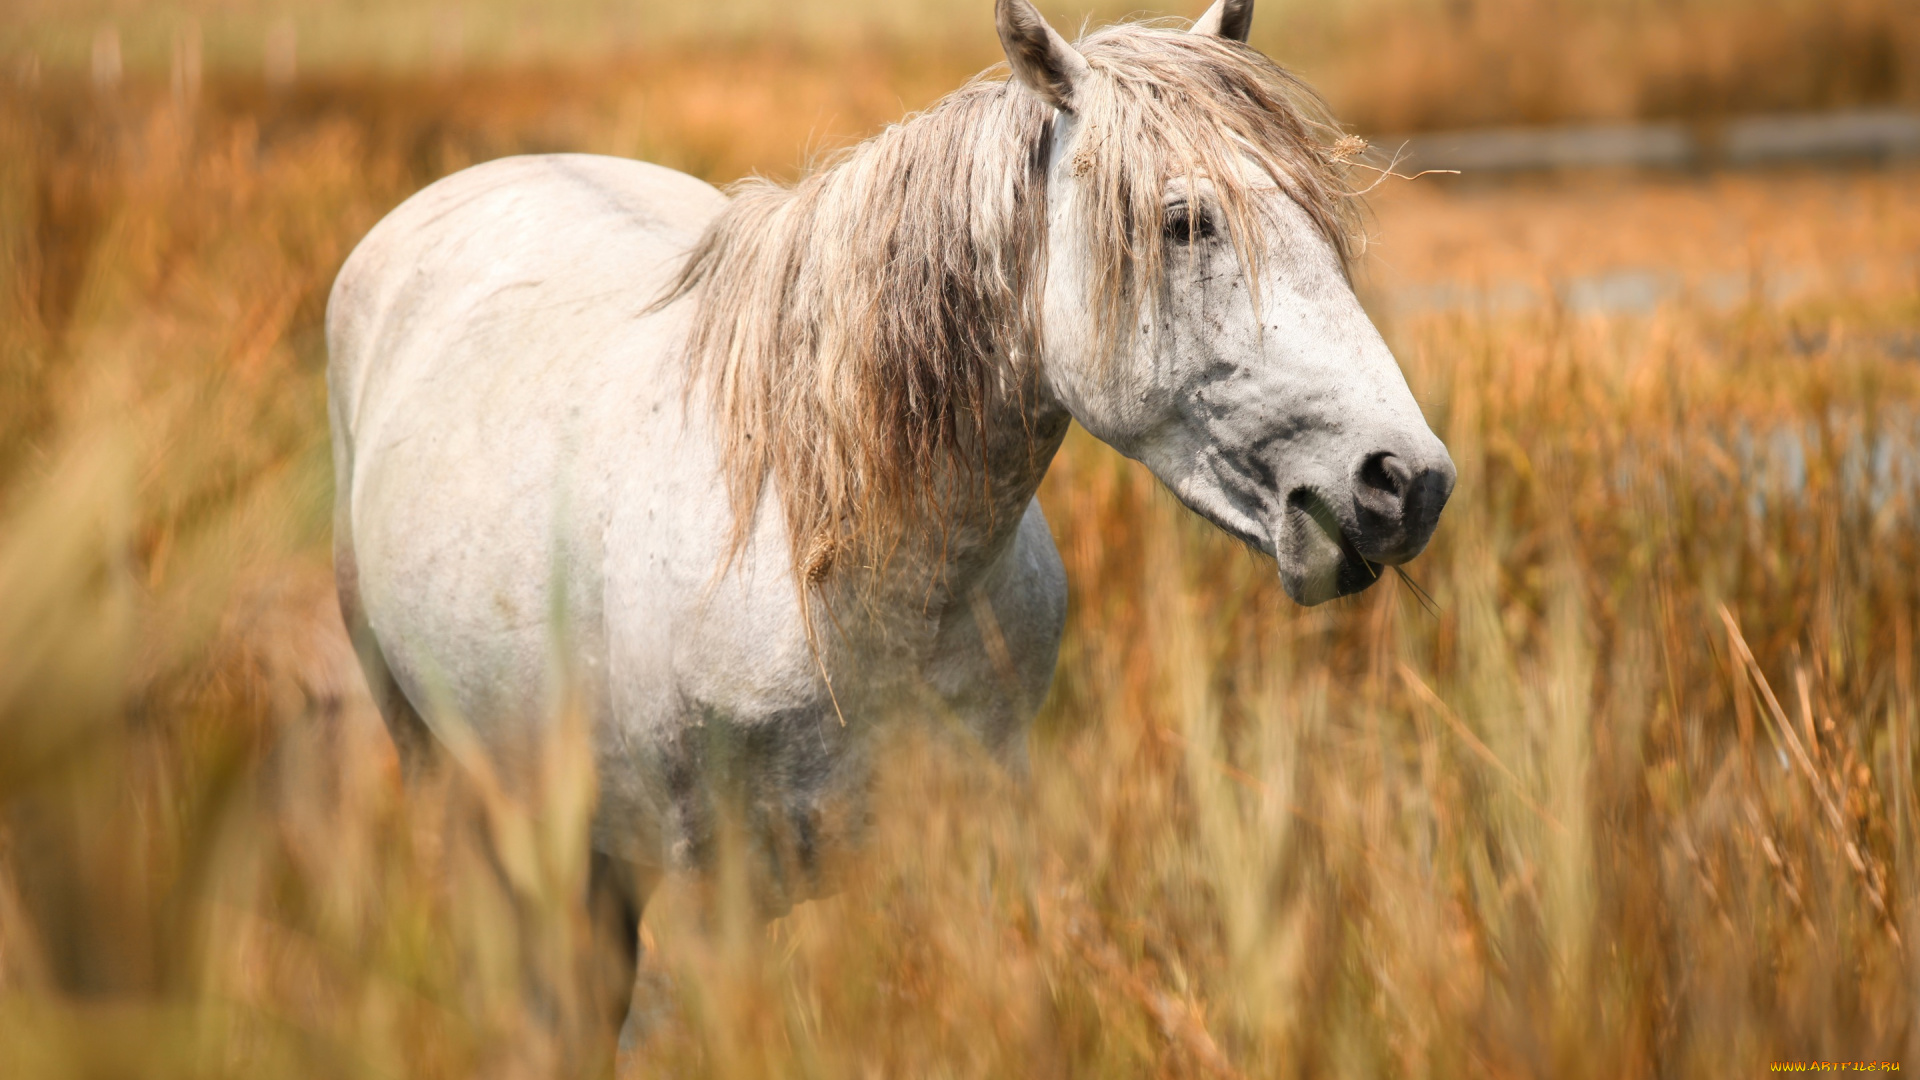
(856, 331)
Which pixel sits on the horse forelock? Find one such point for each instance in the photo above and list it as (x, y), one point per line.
(857, 332)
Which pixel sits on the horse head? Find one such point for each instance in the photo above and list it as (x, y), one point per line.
(1197, 312)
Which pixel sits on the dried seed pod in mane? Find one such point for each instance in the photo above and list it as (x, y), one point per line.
(856, 331)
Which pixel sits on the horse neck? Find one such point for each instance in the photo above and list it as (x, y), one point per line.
(1024, 431)
(987, 490)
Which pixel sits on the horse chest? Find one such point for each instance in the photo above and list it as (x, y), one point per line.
(727, 722)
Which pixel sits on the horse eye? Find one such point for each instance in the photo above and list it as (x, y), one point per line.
(1185, 225)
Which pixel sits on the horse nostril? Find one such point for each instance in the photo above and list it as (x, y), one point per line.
(1397, 502)
(1385, 473)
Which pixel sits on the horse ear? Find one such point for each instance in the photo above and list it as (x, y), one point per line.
(1042, 60)
(1227, 19)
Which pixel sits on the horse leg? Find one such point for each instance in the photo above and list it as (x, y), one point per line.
(617, 894)
(413, 741)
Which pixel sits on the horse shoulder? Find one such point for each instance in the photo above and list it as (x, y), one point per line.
(715, 692)
(690, 637)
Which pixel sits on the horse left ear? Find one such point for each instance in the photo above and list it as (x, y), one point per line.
(1042, 60)
(1227, 19)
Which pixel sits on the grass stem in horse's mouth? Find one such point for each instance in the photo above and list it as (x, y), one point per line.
(1420, 594)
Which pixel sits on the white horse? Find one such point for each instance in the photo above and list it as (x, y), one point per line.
(759, 468)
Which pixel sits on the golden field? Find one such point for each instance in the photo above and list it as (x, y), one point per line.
(1634, 794)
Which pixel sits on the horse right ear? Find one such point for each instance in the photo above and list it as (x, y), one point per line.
(1042, 60)
(1228, 19)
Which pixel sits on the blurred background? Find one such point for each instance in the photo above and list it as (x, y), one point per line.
(1387, 65)
(1631, 792)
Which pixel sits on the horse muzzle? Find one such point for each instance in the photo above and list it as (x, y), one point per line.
(1336, 539)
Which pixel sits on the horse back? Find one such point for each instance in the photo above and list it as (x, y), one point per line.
(459, 244)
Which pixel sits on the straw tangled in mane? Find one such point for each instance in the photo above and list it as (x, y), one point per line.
(857, 332)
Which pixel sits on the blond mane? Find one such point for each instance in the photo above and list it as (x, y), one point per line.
(858, 331)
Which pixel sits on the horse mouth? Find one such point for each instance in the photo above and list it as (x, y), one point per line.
(1318, 558)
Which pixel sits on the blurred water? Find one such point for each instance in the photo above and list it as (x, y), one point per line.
(1635, 290)
(1869, 134)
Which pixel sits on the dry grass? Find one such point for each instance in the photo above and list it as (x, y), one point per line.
(1563, 827)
